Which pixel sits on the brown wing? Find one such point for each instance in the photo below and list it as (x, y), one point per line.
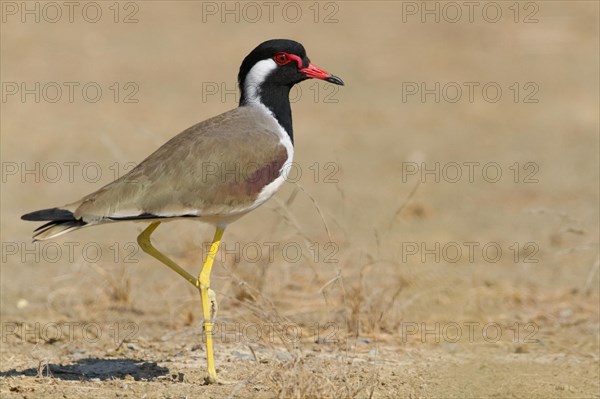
(217, 167)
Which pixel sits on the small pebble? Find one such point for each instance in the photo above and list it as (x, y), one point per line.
(242, 356)
(22, 303)
(283, 356)
(565, 313)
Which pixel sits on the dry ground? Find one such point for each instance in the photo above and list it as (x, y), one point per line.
(366, 309)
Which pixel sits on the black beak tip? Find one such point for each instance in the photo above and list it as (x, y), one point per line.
(335, 80)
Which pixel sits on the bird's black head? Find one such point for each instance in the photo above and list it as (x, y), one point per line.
(270, 70)
(279, 62)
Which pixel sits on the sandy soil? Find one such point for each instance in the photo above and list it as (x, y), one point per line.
(368, 276)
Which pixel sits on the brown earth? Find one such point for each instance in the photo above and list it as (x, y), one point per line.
(361, 279)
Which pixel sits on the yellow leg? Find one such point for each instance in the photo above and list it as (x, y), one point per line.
(204, 281)
(144, 243)
(208, 297)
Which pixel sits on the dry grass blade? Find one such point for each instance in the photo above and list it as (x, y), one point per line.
(595, 269)
(403, 205)
(318, 208)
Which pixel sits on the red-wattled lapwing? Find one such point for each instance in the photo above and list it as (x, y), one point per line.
(191, 176)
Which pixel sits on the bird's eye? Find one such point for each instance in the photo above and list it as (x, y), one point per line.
(281, 58)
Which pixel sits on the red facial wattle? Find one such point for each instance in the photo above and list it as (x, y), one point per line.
(311, 71)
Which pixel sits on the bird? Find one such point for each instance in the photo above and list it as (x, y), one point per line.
(215, 171)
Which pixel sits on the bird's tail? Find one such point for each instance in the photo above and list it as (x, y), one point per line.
(60, 221)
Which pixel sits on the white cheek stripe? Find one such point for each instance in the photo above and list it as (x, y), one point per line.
(255, 77)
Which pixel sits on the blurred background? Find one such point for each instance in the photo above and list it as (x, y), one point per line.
(441, 235)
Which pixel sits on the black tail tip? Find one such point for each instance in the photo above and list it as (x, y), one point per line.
(52, 214)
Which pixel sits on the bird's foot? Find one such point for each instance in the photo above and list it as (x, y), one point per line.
(209, 380)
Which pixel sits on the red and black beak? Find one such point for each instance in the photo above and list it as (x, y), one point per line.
(315, 72)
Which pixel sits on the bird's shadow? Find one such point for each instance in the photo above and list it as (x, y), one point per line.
(94, 368)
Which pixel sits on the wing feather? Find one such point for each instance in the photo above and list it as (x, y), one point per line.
(216, 167)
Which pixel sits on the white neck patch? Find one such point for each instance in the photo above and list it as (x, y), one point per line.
(255, 77)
